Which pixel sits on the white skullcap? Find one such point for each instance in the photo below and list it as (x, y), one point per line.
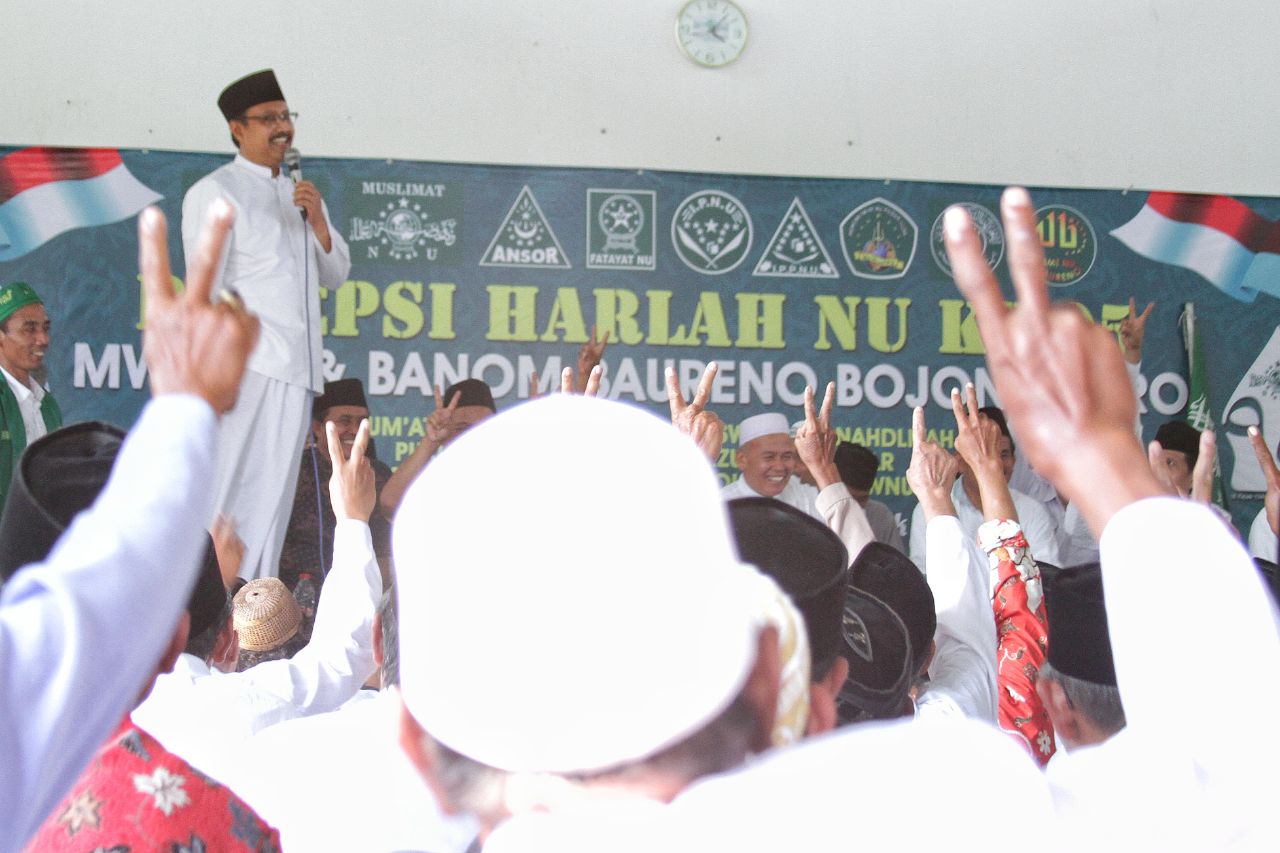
(756, 426)
(570, 596)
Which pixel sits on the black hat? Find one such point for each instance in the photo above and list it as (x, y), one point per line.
(857, 466)
(474, 393)
(804, 556)
(343, 392)
(209, 596)
(258, 88)
(57, 476)
(1079, 644)
(881, 665)
(890, 576)
(1180, 436)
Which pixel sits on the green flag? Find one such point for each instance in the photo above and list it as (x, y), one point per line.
(1199, 413)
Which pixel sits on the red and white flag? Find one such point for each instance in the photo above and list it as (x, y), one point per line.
(1221, 238)
(47, 191)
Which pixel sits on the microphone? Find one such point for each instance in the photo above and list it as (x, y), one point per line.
(293, 165)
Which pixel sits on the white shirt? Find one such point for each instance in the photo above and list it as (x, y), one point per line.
(1078, 545)
(81, 632)
(1263, 542)
(834, 506)
(1037, 526)
(29, 398)
(1199, 764)
(873, 786)
(204, 715)
(340, 781)
(884, 525)
(962, 676)
(264, 261)
(798, 494)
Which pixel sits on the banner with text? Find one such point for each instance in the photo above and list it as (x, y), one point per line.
(501, 272)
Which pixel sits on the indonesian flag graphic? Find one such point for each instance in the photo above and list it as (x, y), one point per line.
(45, 192)
(1219, 237)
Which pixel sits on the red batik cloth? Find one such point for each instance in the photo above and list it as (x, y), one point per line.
(1021, 629)
(136, 796)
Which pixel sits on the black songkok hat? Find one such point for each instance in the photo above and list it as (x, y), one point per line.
(1180, 436)
(344, 392)
(57, 476)
(804, 556)
(857, 466)
(878, 649)
(890, 576)
(258, 88)
(474, 393)
(1079, 644)
(209, 596)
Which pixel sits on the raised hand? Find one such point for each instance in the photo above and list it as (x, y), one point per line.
(816, 439)
(590, 388)
(978, 443)
(590, 355)
(192, 346)
(228, 547)
(1132, 330)
(1059, 377)
(704, 427)
(351, 488)
(1202, 473)
(977, 438)
(1269, 470)
(1159, 463)
(932, 471)
(440, 425)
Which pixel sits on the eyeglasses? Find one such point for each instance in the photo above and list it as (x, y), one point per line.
(271, 119)
(348, 421)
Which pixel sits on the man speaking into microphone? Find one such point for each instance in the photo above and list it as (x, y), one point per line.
(281, 250)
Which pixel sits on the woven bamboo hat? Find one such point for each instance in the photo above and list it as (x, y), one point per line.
(266, 615)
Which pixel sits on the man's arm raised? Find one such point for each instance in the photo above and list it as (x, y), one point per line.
(439, 429)
(693, 419)
(1059, 377)
(115, 583)
(978, 443)
(816, 446)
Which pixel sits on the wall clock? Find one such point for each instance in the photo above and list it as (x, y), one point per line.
(711, 32)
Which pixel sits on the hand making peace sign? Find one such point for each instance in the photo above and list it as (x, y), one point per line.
(704, 427)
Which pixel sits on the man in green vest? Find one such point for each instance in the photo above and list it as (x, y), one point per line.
(27, 409)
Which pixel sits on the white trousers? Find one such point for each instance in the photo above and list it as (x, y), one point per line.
(258, 453)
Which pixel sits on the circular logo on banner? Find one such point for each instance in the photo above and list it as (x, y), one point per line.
(878, 240)
(621, 217)
(711, 232)
(1070, 247)
(989, 231)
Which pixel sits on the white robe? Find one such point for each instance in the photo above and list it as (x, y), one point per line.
(81, 632)
(1037, 526)
(273, 260)
(340, 781)
(203, 715)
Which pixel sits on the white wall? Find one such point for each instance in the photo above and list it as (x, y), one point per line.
(1146, 93)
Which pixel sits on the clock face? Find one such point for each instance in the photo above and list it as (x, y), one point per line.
(711, 32)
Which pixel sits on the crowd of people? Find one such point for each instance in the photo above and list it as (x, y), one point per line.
(523, 640)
